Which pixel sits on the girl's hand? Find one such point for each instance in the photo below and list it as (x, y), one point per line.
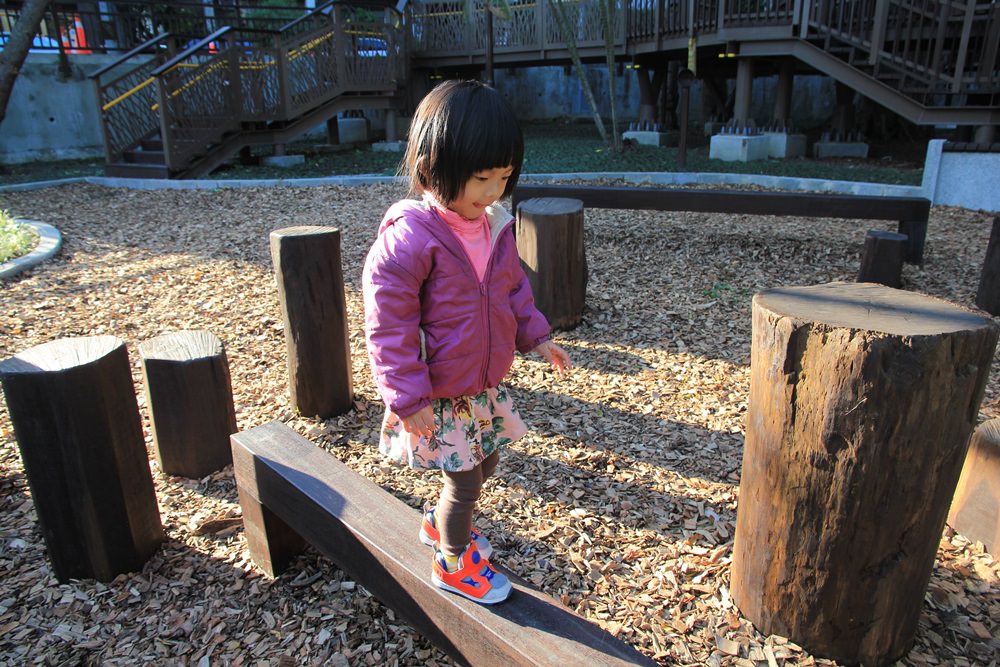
(556, 356)
(420, 422)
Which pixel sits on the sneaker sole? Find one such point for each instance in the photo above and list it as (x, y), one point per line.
(485, 553)
(493, 597)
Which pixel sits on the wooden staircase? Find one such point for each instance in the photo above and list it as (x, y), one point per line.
(183, 115)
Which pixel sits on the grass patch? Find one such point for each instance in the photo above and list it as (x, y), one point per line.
(550, 147)
(16, 238)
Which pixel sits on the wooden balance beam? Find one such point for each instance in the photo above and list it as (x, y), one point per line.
(293, 492)
(910, 212)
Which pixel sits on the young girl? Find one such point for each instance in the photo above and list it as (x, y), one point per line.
(446, 306)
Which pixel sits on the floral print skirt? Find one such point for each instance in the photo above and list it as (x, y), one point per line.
(468, 429)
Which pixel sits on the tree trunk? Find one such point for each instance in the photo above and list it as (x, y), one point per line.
(975, 509)
(550, 242)
(569, 34)
(190, 399)
(16, 49)
(311, 290)
(988, 294)
(862, 399)
(77, 426)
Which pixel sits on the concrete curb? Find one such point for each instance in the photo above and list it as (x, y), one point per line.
(49, 242)
(659, 178)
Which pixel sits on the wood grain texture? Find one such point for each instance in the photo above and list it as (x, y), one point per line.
(373, 536)
(862, 399)
(550, 241)
(77, 426)
(190, 399)
(311, 291)
(975, 509)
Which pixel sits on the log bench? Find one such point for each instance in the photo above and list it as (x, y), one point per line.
(293, 492)
(910, 212)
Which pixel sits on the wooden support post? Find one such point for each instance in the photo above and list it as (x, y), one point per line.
(975, 509)
(294, 492)
(882, 258)
(550, 242)
(311, 290)
(190, 399)
(77, 426)
(862, 399)
(988, 294)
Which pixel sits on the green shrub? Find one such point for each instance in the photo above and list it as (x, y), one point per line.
(16, 238)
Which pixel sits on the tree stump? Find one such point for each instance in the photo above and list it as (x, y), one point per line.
(77, 426)
(862, 398)
(550, 242)
(882, 258)
(190, 399)
(311, 290)
(988, 295)
(975, 510)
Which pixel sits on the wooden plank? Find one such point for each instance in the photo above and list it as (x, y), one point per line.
(372, 536)
(729, 201)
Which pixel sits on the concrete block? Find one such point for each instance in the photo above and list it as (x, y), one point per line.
(824, 149)
(389, 146)
(783, 145)
(961, 179)
(738, 147)
(649, 138)
(352, 130)
(975, 508)
(283, 160)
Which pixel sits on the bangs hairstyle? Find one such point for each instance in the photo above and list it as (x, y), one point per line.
(459, 129)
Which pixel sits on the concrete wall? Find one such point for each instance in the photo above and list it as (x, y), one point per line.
(969, 180)
(51, 116)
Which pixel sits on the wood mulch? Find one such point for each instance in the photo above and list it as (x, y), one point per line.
(621, 501)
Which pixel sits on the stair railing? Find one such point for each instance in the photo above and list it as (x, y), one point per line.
(199, 97)
(126, 96)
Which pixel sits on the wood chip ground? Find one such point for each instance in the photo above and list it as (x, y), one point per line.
(621, 501)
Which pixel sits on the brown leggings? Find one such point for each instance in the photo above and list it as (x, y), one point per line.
(453, 514)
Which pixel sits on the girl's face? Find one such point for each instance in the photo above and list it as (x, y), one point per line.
(484, 188)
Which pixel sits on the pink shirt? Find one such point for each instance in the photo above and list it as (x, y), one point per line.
(474, 235)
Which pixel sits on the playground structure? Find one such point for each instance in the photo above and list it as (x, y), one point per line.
(193, 90)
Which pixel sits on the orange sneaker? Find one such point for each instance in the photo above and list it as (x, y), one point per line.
(430, 536)
(474, 579)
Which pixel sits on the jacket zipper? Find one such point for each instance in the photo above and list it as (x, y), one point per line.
(484, 299)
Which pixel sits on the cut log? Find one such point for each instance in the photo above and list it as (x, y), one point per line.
(77, 426)
(862, 399)
(311, 290)
(975, 509)
(292, 492)
(882, 258)
(988, 295)
(190, 399)
(550, 242)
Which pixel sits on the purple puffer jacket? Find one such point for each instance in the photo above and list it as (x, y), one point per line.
(433, 330)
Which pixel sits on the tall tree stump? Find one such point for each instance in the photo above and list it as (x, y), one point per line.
(988, 295)
(190, 399)
(550, 242)
(882, 258)
(975, 509)
(311, 290)
(862, 398)
(77, 426)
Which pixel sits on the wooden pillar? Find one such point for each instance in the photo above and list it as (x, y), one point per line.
(743, 93)
(77, 426)
(550, 242)
(985, 134)
(882, 258)
(862, 399)
(988, 294)
(333, 131)
(783, 93)
(975, 509)
(311, 291)
(190, 399)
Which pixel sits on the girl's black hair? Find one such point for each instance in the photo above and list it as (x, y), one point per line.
(461, 128)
